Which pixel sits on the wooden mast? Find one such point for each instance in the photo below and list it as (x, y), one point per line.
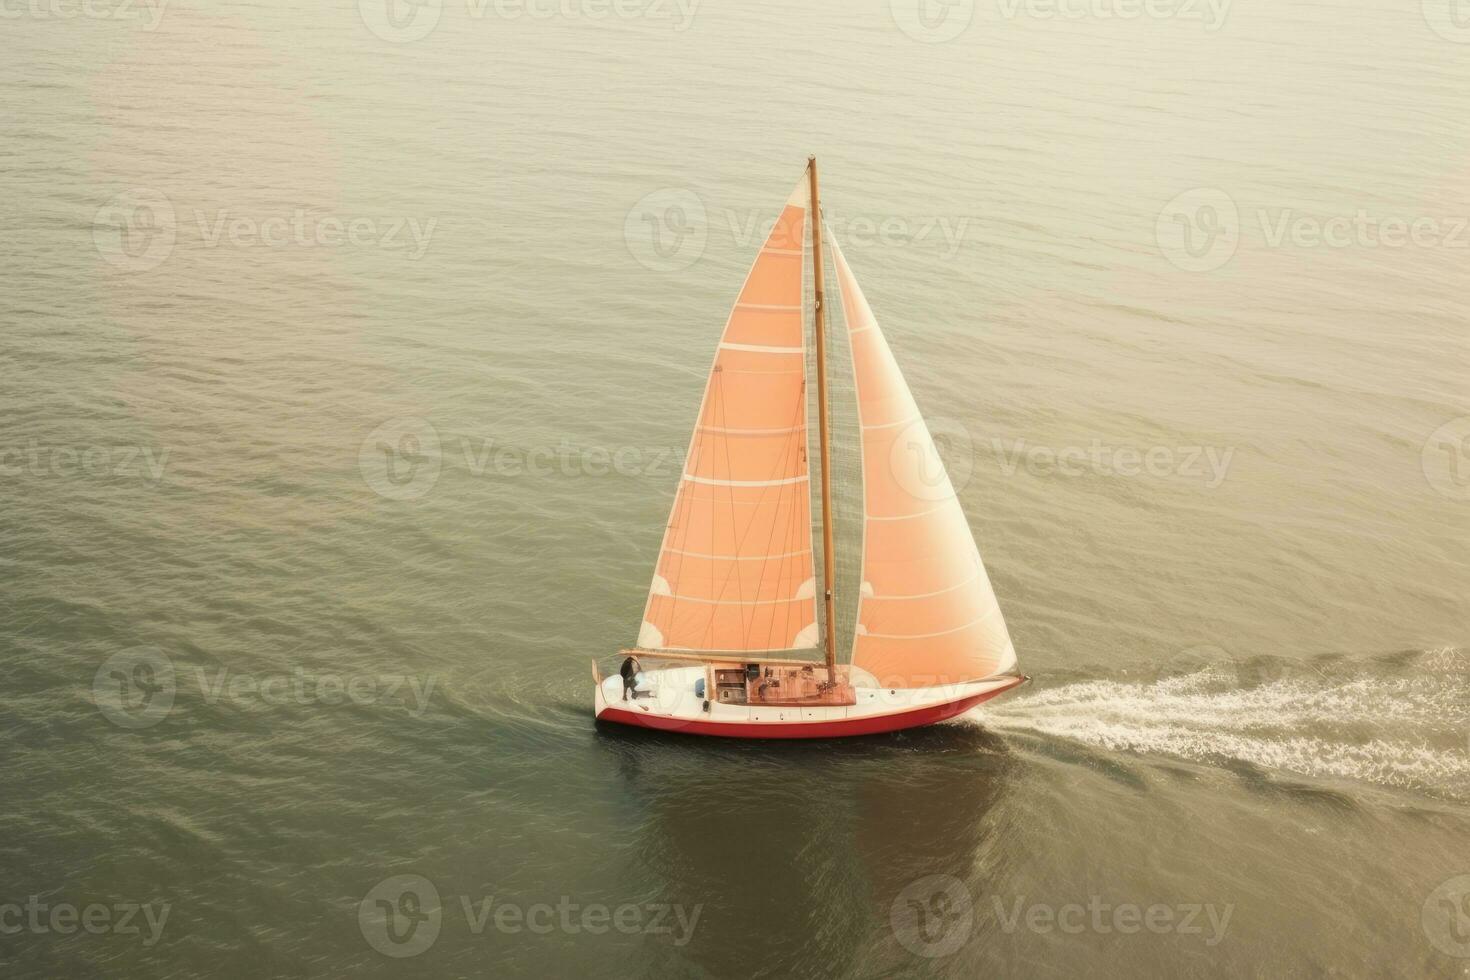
(819, 327)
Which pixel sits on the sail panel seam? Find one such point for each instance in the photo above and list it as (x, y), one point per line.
(892, 425)
(922, 513)
(760, 348)
(925, 636)
(926, 595)
(708, 481)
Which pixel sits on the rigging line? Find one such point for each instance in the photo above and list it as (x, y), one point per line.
(716, 389)
(782, 574)
(799, 520)
(781, 497)
(798, 448)
(795, 448)
(684, 502)
(771, 537)
(734, 569)
(747, 624)
(687, 501)
(793, 524)
(742, 536)
(721, 412)
(784, 468)
(676, 531)
(737, 535)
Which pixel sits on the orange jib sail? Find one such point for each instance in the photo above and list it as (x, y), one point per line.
(927, 615)
(735, 571)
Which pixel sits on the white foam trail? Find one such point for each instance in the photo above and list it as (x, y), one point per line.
(1406, 731)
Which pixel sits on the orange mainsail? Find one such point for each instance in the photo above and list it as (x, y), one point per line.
(927, 615)
(735, 570)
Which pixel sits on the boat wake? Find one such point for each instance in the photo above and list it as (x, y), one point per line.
(1401, 721)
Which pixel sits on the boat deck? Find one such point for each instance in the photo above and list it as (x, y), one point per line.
(790, 686)
(675, 699)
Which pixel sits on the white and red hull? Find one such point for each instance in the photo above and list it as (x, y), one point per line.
(673, 706)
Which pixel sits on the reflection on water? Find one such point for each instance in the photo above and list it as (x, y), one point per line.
(797, 851)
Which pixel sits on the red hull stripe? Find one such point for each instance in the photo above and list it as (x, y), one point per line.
(869, 725)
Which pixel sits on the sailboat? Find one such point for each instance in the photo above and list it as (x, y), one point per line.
(742, 602)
